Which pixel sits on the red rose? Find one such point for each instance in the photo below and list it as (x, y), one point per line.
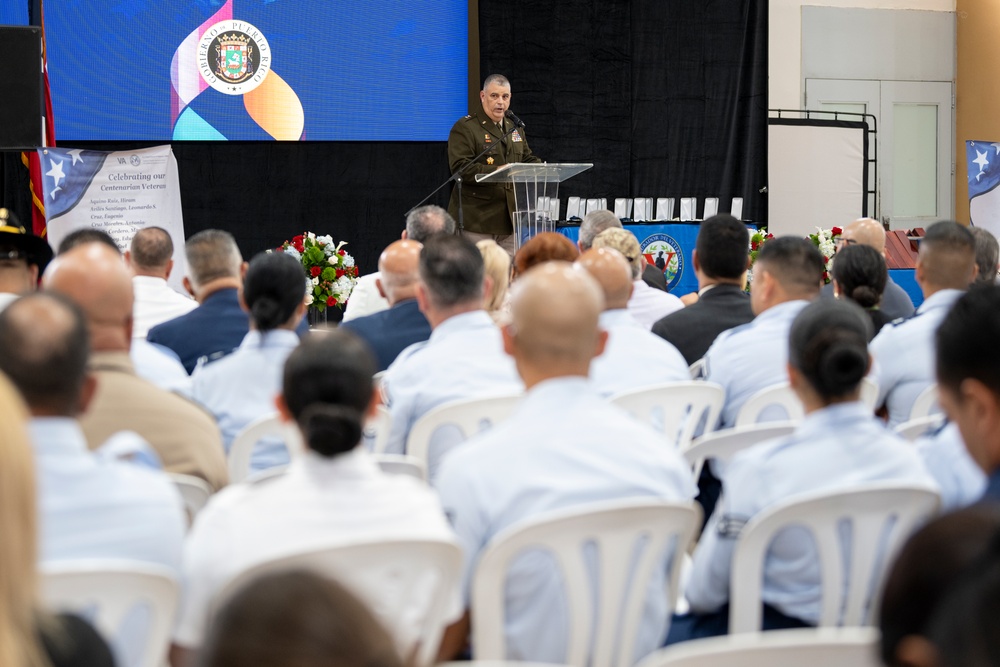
(826, 276)
(354, 271)
(340, 272)
(331, 301)
(341, 253)
(755, 245)
(298, 239)
(826, 260)
(836, 231)
(315, 271)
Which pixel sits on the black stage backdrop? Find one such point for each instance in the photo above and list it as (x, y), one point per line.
(666, 98)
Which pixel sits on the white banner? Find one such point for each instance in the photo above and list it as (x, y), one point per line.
(118, 193)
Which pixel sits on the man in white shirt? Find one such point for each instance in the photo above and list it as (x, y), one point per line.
(23, 257)
(647, 305)
(149, 260)
(563, 447)
(421, 224)
(464, 356)
(634, 357)
(89, 507)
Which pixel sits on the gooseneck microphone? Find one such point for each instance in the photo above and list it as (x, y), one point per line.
(514, 119)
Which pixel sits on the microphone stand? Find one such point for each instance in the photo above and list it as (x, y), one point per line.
(457, 176)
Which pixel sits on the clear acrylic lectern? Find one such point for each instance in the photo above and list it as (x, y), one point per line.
(536, 187)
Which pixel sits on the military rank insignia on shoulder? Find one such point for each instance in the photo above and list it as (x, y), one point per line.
(730, 525)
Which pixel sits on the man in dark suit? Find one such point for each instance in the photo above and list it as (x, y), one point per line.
(389, 332)
(721, 259)
(217, 326)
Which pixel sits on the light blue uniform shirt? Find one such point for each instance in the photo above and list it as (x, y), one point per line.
(634, 357)
(463, 358)
(240, 388)
(834, 448)
(160, 365)
(962, 482)
(562, 447)
(751, 357)
(94, 508)
(905, 354)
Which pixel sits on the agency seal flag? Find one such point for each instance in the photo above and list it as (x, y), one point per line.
(665, 253)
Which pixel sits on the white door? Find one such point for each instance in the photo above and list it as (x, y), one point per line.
(915, 174)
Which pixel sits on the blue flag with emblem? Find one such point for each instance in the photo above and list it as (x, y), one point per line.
(983, 160)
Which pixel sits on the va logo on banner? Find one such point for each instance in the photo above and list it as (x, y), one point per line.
(663, 252)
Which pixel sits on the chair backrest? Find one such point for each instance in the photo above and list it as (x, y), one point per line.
(194, 491)
(913, 429)
(241, 451)
(422, 574)
(779, 395)
(926, 403)
(723, 445)
(675, 408)
(816, 647)
(399, 464)
(110, 593)
(880, 516)
(614, 529)
(377, 430)
(468, 416)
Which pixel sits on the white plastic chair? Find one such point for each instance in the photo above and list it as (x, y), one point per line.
(675, 408)
(723, 445)
(913, 429)
(614, 528)
(241, 451)
(398, 464)
(779, 395)
(468, 416)
(108, 592)
(816, 647)
(881, 517)
(926, 403)
(423, 574)
(377, 429)
(194, 491)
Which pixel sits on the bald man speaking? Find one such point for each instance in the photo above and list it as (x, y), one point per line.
(563, 447)
(389, 332)
(896, 302)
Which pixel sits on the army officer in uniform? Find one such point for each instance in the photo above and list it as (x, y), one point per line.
(487, 207)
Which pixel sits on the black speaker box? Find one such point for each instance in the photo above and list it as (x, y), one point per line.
(21, 102)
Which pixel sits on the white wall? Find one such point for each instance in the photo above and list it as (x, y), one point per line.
(785, 41)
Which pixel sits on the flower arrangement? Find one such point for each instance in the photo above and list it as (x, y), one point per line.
(757, 241)
(330, 271)
(826, 241)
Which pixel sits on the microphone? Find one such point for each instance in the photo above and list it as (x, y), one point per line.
(514, 119)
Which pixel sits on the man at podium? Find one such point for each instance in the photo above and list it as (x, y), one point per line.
(487, 207)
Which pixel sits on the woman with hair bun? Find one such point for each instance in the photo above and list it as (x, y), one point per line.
(838, 445)
(240, 387)
(333, 493)
(860, 275)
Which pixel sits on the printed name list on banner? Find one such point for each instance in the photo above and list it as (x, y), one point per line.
(118, 193)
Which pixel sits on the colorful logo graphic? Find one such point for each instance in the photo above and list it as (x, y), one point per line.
(233, 57)
(665, 253)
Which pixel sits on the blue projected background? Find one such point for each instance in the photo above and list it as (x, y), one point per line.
(375, 70)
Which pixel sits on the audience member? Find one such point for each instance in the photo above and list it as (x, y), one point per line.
(389, 332)
(543, 247)
(296, 618)
(987, 255)
(959, 478)
(746, 359)
(839, 444)
(241, 387)
(596, 222)
(30, 636)
(333, 494)
(904, 351)
(183, 435)
(23, 257)
(150, 258)
(931, 564)
(720, 259)
(633, 358)
(896, 302)
(860, 274)
(85, 235)
(218, 325)
(968, 377)
(497, 266)
(421, 224)
(647, 305)
(563, 447)
(89, 507)
(464, 356)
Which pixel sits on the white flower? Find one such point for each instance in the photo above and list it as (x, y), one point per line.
(324, 240)
(311, 236)
(340, 245)
(315, 281)
(293, 252)
(333, 259)
(309, 299)
(348, 261)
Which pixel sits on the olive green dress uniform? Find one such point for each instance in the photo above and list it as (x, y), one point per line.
(486, 207)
